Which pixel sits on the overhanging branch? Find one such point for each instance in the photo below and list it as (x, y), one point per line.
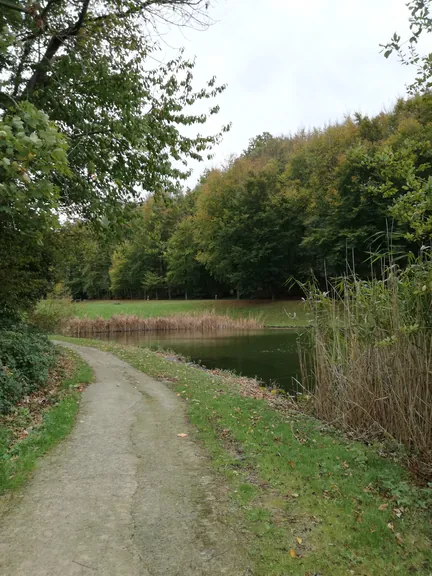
(53, 47)
(16, 7)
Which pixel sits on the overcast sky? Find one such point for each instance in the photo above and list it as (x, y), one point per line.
(293, 64)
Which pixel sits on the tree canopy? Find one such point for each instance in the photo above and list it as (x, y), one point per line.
(324, 202)
(91, 67)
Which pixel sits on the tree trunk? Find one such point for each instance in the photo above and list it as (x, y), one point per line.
(169, 292)
(186, 294)
(238, 294)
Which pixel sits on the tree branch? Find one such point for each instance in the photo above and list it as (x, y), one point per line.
(53, 46)
(146, 4)
(15, 7)
(47, 8)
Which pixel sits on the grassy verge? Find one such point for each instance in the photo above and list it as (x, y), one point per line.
(309, 500)
(278, 313)
(41, 421)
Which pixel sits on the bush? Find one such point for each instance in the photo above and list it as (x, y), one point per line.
(26, 356)
(51, 313)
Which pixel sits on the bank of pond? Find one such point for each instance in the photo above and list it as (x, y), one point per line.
(270, 355)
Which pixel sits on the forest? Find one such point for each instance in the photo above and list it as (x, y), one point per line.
(326, 202)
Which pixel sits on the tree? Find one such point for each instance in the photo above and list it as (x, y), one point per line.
(144, 251)
(420, 23)
(153, 283)
(87, 65)
(247, 227)
(184, 269)
(32, 159)
(83, 260)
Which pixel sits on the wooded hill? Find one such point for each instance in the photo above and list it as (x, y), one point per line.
(322, 202)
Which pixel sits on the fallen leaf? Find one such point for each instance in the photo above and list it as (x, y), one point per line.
(399, 538)
(292, 553)
(397, 512)
(383, 507)
(294, 495)
(299, 540)
(291, 463)
(390, 526)
(182, 435)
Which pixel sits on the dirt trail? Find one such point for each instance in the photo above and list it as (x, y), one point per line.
(123, 495)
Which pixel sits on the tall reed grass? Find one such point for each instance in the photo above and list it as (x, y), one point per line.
(129, 323)
(371, 358)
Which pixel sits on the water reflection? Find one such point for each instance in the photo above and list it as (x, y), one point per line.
(270, 355)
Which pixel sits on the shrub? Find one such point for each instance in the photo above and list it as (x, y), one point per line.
(26, 356)
(11, 389)
(51, 313)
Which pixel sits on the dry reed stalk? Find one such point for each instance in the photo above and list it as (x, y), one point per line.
(378, 390)
(129, 323)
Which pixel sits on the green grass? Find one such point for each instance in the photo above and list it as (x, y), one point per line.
(297, 487)
(277, 313)
(18, 461)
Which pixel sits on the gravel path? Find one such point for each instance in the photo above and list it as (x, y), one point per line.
(123, 495)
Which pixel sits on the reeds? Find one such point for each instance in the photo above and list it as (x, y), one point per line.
(129, 323)
(371, 360)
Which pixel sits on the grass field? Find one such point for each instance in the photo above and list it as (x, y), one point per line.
(277, 313)
(308, 500)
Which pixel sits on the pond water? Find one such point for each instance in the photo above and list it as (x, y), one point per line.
(270, 355)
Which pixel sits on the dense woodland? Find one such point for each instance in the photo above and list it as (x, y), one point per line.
(324, 202)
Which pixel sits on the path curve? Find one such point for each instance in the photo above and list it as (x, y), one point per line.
(123, 495)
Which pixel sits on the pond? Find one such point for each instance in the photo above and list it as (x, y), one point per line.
(269, 355)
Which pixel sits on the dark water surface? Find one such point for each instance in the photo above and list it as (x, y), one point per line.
(270, 355)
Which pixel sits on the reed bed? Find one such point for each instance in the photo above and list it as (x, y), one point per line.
(369, 367)
(130, 323)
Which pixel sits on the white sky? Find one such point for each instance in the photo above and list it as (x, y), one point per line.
(293, 64)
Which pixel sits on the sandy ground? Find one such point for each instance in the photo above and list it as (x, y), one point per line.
(123, 495)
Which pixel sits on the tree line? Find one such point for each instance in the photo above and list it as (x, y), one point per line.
(322, 203)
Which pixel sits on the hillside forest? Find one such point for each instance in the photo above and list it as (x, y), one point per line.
(325, 202)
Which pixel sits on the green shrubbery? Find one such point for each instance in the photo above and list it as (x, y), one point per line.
(26, 356)
(51, 312)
